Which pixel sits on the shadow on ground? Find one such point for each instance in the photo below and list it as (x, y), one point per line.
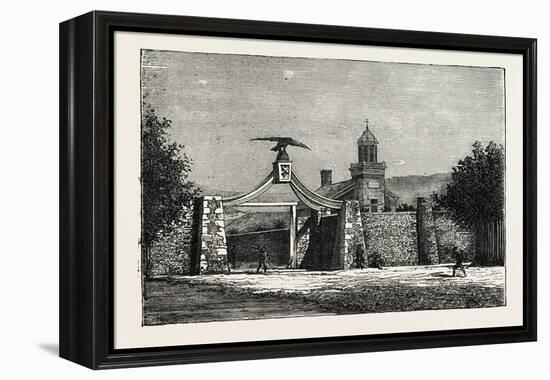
(51, 348)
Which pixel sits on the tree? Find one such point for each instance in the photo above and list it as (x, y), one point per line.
(404, 207)
(164, 182)
(475, 195)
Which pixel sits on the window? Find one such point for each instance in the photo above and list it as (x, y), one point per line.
(374, 205)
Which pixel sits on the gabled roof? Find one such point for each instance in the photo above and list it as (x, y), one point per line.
(390, 194)
(337, 189)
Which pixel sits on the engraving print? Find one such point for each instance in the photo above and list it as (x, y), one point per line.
(276, 187)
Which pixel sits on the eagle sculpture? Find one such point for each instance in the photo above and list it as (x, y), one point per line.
(282, 143)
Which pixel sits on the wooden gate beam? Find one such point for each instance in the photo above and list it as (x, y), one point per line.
(292, 239)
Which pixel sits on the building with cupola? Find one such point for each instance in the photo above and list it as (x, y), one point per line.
(368, 178)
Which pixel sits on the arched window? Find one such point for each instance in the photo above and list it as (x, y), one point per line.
(374, 205)
(371, 153)
(362, 153)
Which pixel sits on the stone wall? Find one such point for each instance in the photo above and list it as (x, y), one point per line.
(302, 239)
(393, 236)
(172, 253)
(243, 249)
(349, 248)
(449, 234)
(427, 243)
(210, 241)
(198, 243)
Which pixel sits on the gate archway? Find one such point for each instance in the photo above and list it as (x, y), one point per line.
(283, 173)
(210, 244)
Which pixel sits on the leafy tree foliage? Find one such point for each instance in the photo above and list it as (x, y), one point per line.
(164, 180)
(476, 193)
(405, 207)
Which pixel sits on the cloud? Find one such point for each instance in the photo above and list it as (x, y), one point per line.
(202, 81)
(288, 74)
(400, 163)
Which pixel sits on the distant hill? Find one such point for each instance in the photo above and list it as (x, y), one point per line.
(408, 188)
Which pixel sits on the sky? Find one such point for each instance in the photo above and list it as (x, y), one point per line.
(425, 117)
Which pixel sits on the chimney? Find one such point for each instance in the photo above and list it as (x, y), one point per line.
(326, 177)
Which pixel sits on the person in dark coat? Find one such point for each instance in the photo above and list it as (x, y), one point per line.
(458, 256)
(262, 260)
(231, 256)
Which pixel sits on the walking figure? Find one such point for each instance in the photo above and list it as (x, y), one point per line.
(262, 260)
(458, 256)
(359, 258)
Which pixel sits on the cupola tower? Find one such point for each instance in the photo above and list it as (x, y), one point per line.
(369, 174)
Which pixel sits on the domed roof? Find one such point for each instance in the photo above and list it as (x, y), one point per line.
(367, 138)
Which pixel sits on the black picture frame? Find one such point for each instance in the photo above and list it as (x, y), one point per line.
(86, 189)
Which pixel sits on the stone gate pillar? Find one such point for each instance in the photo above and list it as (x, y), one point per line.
(427, 243)
(211, 244)
(350, 238)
